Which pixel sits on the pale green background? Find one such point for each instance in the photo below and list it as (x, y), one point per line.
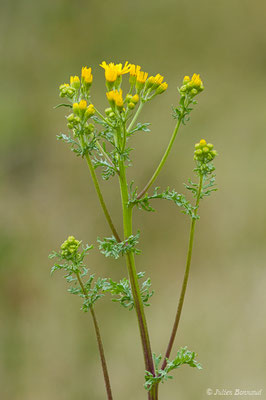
(47, 346)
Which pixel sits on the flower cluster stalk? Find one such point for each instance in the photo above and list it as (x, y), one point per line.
(185, 279)
(162, 162)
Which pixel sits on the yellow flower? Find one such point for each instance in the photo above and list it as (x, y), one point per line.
(110, 71)
(203, 142)
(161, 88)
(135, 99)
(115, 97)
(75, 82)
(158, 79)
(82, 105)
(76, 108)
(141, 79)
(90, 111)
(196, 81)
(142, 76)
(86, 75)
(134, 69)
(124, 70)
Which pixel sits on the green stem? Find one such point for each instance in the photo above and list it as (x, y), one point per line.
(99, 341)
(100, 196)
(127, 221)
(102, 117)
(105, 155)
(135, 116)
(185, 279)
(167, 151)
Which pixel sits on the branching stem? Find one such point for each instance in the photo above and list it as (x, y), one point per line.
(132, 123)
(162, 162)
(185, 280)
(101, 199)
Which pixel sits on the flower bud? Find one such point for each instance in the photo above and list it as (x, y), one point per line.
(89, 111)
(162, 88)
(135, 99)
(108, 110)
(131, 105)
(75, 108)
(128, 98)
(71, 117)
(75, 82)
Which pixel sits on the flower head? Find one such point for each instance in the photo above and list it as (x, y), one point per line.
(142, 76)
(110, 71)
(75, 82)
(196, 82)
(122, 70)
(113, 71)
(115, 97)
(134, 69)
(86, 75)
(161, 88)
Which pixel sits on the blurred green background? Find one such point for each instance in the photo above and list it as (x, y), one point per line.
(47, 346)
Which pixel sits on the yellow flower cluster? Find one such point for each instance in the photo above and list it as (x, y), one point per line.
(193, 85)
(156, 83)
(82, 108)
(115, 98)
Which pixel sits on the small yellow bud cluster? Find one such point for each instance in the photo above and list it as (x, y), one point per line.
(115, 99)
(70, 89)
(70, 247)
(204, 152)
(83, 110)
(192, 86)
(66, 90)
(156, 83)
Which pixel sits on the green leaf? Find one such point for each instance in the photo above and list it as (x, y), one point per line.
(140, 127)
(167, 194)
(63, 105)
(110, 247)
(184, 356)
(122, 291)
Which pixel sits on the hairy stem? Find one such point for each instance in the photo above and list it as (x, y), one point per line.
(127, 221)
(162, 162)
(185, 280)
(99, 341)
